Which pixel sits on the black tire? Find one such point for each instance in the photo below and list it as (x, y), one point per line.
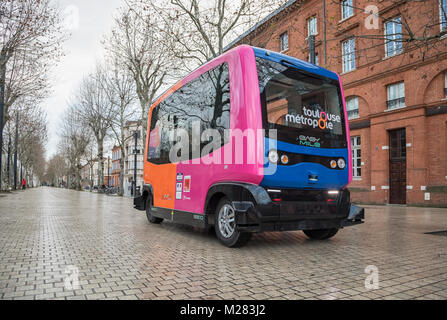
(149, 216)
(237, 238)
(322, 234)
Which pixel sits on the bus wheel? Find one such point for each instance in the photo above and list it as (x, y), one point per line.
(149, 216)
(321, 234)
(225, 226)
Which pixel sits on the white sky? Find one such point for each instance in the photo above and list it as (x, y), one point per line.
(89, 21)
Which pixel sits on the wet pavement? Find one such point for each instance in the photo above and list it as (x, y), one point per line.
(60, 244)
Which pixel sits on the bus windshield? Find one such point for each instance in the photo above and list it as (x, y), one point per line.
(304, 108)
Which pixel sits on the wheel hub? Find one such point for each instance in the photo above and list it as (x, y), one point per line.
(226, 221)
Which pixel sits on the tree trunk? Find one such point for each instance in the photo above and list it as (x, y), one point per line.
(145, 105)
(143, 127)
(78, 176)
(3, 60)
(100, 162)
(90, 180)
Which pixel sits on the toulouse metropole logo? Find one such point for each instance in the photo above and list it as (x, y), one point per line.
(314, 119)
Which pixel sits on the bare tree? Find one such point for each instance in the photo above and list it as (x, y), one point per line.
(91, 157)
(31, 35)
(202, 29)
(33, 164)
(119, 86)
(56, 169)
(95, 111)
(32, 140)
(74, 139)
(30, 43)
(32, 137)
(135, 42)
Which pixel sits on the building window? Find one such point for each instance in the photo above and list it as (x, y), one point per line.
(284, 41)
(443, 14)
(347, 9)
(352, 106)
(396, 96)
(393, 37)
(317, 62)
(348, 54)
(312, 26)
(356, 157)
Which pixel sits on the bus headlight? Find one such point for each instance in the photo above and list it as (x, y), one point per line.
(341, 163)
(273, 156)
(284, 159)
(333, 164)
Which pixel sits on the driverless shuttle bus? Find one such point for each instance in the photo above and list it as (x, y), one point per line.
(252, 141)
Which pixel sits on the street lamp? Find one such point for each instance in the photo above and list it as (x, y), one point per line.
(2, 107)
(9, 162)
(136, 135)
(15, 151)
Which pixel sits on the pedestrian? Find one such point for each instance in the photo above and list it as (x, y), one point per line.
(23, 184)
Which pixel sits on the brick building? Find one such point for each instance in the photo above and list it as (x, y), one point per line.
(395, 89)
(115, 171)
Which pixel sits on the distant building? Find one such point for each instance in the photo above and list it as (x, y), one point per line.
(115, 173)
(90, 173)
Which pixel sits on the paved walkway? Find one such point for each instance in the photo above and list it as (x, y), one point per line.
(48, 236)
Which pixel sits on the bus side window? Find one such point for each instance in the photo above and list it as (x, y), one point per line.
(165, 144)
(204, 101)
(207, 102)
(154, 136)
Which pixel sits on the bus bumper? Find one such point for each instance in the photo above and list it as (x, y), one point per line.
(300, 210)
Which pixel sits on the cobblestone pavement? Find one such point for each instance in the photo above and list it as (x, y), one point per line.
(119, 255)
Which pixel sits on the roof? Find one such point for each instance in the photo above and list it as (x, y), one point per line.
(304, 65)
(260, 23)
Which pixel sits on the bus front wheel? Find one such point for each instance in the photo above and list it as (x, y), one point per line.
(321, 234)
(225, 226)
(149, 215)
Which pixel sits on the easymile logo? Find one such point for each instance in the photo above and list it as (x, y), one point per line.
(309, 141)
